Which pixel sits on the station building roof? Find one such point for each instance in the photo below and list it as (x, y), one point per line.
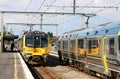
(10, 37)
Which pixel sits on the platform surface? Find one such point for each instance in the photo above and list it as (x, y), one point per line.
(13, 67)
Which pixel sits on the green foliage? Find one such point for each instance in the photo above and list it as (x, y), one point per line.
(5, 32)
(52, 38)
(50, 34)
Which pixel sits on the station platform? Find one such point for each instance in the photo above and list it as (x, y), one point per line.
(12, 66)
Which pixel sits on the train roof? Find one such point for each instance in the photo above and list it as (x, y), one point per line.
(35, 33)
(104, 29)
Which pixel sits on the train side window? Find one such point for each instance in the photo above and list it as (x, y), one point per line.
(89, 44)
(80, 43)
(111, 46)
(94, 43)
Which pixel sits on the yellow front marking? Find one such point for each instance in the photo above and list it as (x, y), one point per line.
(15, 67)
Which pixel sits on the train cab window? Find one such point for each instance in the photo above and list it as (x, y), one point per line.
(111, 46)
(40, 41)
(29, 41)
(80, 43)
(44, 42)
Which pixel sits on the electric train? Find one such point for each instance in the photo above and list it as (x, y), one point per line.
(94, 50)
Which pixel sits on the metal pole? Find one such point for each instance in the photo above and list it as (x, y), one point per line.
(56, 36)
(82, 21)
(41, 22)
(30, 28)
(1, 32)
(74, 7)
(6, 28)
(87, 21)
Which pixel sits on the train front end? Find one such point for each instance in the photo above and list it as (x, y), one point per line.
(37, 46)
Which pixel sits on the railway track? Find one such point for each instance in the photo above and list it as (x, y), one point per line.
(53, 70)
(34, 72)
(41, 72)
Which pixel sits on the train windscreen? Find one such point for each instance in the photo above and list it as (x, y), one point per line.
(29, 42)
(40, 41)
(36, 41)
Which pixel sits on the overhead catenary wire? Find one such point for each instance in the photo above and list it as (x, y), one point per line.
(107, 8)
(27, 8)
(39, 7)
(87, 5)
(44, 11)
(28, 5)
(79, 10)
(50, 5)
(59, 10)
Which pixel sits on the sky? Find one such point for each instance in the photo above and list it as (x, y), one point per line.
(65, 22)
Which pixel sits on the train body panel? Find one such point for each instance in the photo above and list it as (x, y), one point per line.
(96, 48)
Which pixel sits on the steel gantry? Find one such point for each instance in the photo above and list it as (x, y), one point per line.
(37, 13)
(30, 24)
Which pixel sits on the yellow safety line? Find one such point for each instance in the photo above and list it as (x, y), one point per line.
(15, 67)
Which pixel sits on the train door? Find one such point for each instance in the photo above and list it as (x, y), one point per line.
(112, 54)
(89, 46)
(72, 48)
(111, 48)
(81, 47)
(65, 48)
(73, 54)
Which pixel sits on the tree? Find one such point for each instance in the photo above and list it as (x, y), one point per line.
(50, 34)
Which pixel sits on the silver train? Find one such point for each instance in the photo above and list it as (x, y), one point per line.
(93, 50)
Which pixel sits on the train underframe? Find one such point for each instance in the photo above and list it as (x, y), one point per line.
(91, 69)
(36, 58)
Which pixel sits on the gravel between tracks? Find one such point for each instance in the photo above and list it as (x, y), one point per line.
(67, 73)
